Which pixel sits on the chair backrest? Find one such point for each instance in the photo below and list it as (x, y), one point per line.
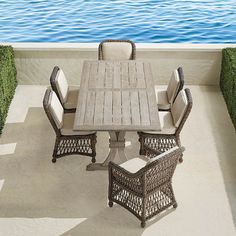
(181, 108)
(53, 109)
(116, 50)
(160, 169)
(175, 85)
(158, 157)
(59, 84)
(181, 80)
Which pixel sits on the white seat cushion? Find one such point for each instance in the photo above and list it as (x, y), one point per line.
(161, 155)
(72, 98)
(173, 86)
(133, 165)
(167, 125)
(62, 86)
(179, 108)
(67, 128)
(161, 98)
(116, 50)
(56, 109)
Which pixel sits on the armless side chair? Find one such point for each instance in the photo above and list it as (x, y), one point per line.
(116, 50)
(67, 142)
(172, 123)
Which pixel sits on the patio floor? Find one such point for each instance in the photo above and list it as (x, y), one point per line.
(41, 198)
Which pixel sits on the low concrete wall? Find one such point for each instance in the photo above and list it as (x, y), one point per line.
(201, 63)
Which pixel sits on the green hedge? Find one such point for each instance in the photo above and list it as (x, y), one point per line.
(228, 81)
(7, 81)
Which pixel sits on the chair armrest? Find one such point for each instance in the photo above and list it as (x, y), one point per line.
(113, 166)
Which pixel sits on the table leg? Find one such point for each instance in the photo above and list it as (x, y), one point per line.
(121, 148)
(116, 146)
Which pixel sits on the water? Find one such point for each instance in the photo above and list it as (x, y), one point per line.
(154, 21)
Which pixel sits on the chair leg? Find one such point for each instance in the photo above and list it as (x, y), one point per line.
(110, 203)
(178, 142)
(143, 224)
(141, 141)
(144, 205)
(54, 155)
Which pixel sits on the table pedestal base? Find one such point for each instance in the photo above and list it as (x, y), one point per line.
(117, 146)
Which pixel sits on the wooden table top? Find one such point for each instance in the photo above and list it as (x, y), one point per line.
(117, 95)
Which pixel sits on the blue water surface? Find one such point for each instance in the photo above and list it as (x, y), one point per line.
(150, 21)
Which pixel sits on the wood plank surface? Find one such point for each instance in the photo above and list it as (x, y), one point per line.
(144, 107)
(117, 95)
(135, 111)
(116, 108)
(117, 75)
(108, 108)
(99, 106)
(109, 75)
(126, 112)
(132, 75)
(89, 112)
(124, 75)
(153, 109)
(101, 76)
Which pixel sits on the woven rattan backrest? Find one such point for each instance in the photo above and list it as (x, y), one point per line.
(162, 170)
(100, 48)
(46, 100)
(188, 109)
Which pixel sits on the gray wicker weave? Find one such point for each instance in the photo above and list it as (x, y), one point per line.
(69, 144)
(147, 192)
(54, 88)
(163, 142)
(100, 48)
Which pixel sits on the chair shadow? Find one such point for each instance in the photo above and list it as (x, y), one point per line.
(117, 221)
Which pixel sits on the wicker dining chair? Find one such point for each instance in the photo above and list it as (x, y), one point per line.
(67, 142)
(144, 187)
(171, 125)
(116, 50)
(165, 98)
(68, 96)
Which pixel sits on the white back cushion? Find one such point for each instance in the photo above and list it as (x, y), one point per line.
(179, 108)
(161, 155)
(56, 109)
(62, 86)
(173, 86)
(116, 50)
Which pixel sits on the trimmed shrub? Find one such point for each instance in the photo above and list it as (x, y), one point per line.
(7, 81)
(228, 81)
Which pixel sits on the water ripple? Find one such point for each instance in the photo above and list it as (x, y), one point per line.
(159, 21)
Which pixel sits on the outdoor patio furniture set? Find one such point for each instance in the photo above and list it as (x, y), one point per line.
(117, 95)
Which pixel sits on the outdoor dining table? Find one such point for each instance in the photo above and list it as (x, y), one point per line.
(116, 96)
